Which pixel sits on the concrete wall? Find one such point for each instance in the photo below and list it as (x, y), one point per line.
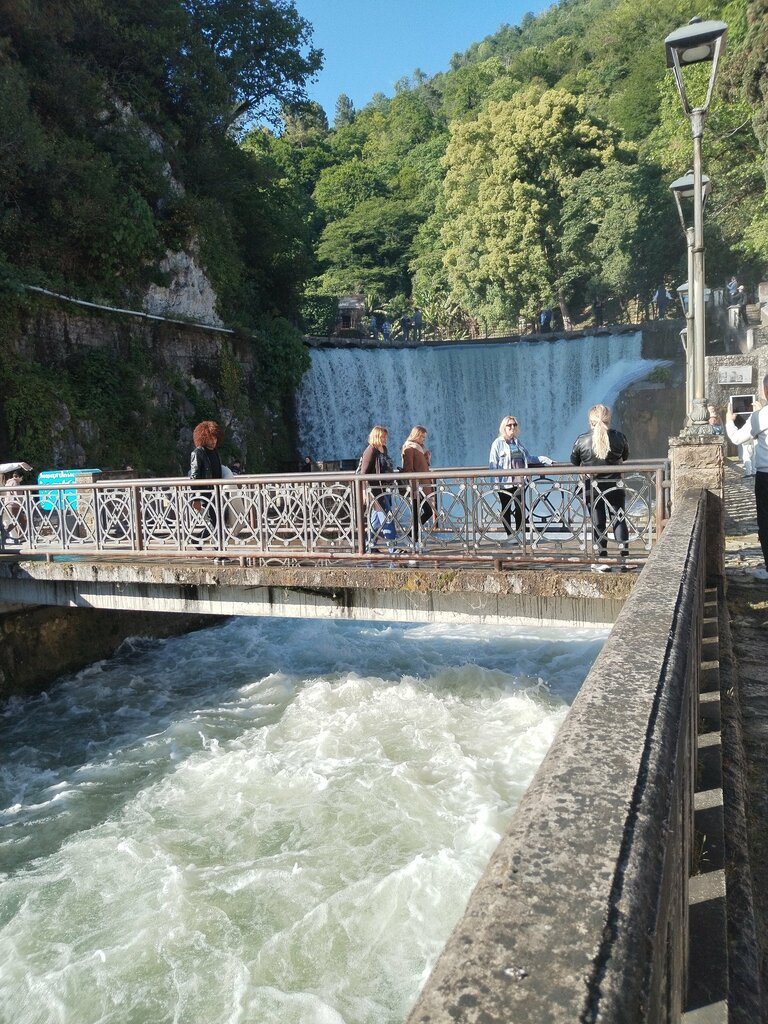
(581, 914)
(539, 596)
(718, 393)
(38, 644)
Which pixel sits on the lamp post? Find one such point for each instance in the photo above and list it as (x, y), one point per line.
(683, 188)
(693, 43)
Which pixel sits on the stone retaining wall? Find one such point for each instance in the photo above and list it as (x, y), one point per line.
(582, 912)
(39, 644)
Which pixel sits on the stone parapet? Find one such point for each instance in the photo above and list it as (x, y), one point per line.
(582, 913)
(698, 462)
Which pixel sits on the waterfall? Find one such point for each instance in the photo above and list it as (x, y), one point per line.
(461, 392)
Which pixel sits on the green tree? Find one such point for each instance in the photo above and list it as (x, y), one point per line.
(507, 174)
(344, 112)
(341, 187)
(367, 251)
(619, 235)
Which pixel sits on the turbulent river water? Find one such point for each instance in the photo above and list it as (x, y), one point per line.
(268, 822)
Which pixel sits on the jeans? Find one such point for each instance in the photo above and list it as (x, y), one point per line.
(381, 527)
(511, 505)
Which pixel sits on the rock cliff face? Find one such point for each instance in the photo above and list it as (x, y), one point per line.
(189, 293)
(104, 390)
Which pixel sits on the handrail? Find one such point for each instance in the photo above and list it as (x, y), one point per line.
(443, 516)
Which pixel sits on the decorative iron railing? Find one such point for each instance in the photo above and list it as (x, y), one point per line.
(445, 516)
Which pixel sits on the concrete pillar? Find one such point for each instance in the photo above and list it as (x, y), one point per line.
(698, 461)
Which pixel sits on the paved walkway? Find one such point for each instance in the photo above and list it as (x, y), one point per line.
(747, 601)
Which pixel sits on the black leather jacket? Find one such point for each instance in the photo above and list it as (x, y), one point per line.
(582, 454)
(205, 464)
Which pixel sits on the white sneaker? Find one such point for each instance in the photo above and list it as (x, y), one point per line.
(760, 573)
(598, 567)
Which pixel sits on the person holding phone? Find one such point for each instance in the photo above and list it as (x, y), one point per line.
(755, 427)
(743, 407)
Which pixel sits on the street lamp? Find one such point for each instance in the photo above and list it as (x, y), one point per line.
(682, 188)
(693, 43)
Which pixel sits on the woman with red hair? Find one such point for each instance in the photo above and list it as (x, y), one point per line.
(205, 464)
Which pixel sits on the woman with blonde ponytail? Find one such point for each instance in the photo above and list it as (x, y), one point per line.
(604, 492)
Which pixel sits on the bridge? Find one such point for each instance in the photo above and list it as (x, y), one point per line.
(343, 518)
(334, 545)
(607, 897)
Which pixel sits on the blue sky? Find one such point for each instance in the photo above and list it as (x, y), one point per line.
(370, 44)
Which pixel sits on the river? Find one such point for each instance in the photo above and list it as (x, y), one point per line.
(268, 822)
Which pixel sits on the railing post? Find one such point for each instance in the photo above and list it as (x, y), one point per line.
(361, 516)
(138, 531)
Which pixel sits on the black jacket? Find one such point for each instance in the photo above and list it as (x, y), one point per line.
(582, 454)
(205, 464)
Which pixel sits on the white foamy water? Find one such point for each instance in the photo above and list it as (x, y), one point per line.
(461, 392)
(271, 822)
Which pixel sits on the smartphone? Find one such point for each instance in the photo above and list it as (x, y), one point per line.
(742, 407)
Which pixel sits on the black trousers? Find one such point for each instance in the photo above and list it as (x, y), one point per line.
(511, 507)
(607, 505)
(761, 505)
(422, 511)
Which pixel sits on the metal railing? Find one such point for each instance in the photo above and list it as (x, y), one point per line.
(345, 518)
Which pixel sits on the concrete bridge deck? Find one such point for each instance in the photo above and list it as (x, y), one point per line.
(481, 595)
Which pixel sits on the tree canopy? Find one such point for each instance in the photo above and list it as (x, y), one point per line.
(532, 170)
(119, 143)
(535, 169)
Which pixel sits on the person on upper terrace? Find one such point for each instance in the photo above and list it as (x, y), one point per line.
(741, 302)
(416, 321)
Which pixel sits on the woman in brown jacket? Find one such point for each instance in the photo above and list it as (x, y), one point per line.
(417, 459)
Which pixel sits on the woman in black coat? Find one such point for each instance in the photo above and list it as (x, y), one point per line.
(601, 446)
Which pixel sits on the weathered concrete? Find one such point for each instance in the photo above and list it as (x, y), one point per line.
(576, 598)
(38, 644)
(581, 914)
(699, 462)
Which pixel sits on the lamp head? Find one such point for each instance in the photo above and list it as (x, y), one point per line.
(695, 42)
(683, 187)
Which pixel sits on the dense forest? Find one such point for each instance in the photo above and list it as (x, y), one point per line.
(533, 171)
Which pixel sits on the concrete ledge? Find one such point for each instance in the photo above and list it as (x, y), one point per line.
(581, 914)
(545, 597)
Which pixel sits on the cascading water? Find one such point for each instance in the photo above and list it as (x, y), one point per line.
(269, 822)
(461, 392)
